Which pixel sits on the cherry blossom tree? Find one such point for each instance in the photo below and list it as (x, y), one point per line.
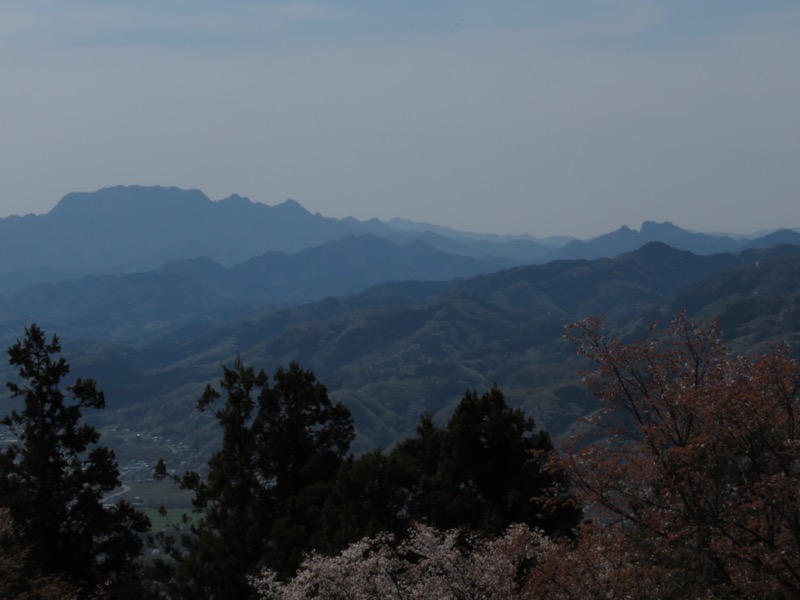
(428, 564)
(693, 483)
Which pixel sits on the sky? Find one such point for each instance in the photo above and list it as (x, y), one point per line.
(540, 117)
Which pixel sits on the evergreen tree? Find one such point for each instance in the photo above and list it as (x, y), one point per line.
(19, 577)
(215, 553)
(367, 500)
(305, 438)
(484, 470)
(263, 496)
(54, 477)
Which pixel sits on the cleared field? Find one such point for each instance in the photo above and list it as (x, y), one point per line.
(172, 518)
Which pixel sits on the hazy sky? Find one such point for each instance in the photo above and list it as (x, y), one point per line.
(508, 116)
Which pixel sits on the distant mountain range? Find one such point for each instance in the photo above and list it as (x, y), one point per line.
(400, 349)
(140, 305)
(132, 229)
(125, 229)
(396, 318)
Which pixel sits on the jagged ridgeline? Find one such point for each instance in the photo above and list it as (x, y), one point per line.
(152, 289)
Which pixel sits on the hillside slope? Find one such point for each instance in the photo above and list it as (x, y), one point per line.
(401, 349)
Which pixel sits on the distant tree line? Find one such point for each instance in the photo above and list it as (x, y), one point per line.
(686, 487)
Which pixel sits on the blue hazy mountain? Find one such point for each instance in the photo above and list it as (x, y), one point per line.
(402, 348)
(200, 290)
(135, 228)
(130, 229)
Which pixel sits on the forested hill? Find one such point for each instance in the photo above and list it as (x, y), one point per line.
(201, 293)
(400, 349)
(446, 311)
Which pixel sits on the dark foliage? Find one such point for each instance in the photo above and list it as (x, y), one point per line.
(261, 500)
(54, 477)
(484, 470)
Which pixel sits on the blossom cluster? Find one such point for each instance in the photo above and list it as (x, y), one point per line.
(428, 564)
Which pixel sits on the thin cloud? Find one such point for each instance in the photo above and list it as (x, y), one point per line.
(61, 26)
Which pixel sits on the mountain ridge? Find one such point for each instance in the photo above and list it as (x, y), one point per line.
(400, 349)
(125, 229)
(183, 291)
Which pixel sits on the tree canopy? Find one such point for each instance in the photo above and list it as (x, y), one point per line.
(694, 482)
(485, 469)
(54, 477)
(261, 501)
(688, 477)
